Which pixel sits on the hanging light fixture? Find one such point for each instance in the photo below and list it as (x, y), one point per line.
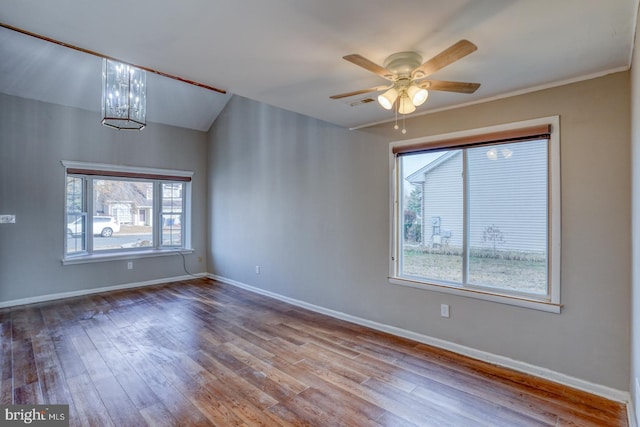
(413, 95)
(124, 96)
(405, 96)
(405, 106)
(387, 99)
(417, 94)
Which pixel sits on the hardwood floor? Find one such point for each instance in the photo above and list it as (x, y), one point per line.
(203, 353)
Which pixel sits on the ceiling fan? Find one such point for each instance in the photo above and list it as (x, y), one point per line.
(407, 74)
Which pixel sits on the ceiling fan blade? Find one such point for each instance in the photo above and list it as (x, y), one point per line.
(444, 58)
(443, 85)
(363, 62)
(359, 92)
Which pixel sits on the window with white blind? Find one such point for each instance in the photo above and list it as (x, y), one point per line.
(117, 211)
(477, 213)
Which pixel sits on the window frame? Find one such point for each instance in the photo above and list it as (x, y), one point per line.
(162, 212)
(549, 303)
(97, 171)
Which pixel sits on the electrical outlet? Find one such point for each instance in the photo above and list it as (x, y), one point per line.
(199, 259)
(130, 265)
(444, 310)
(257, 269)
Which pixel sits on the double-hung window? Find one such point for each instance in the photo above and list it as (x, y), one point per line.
(477, 213)
(115, 211)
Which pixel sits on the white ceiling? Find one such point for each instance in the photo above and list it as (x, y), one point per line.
(288, 53)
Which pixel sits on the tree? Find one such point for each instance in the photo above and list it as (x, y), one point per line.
(412, 213)
(414, 203)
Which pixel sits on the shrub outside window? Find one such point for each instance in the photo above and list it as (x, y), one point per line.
(478, 214)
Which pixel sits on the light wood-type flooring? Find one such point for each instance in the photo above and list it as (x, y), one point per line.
(200, 352)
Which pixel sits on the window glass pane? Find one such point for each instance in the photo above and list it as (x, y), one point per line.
(172, 220)
(171, 230)
(432, 216)
(76, 230)
(507, 203)
(122, 214)
(76, 217)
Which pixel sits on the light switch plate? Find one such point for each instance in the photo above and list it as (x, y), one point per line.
(7, 219)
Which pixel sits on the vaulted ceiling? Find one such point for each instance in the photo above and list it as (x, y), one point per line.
(288, 53)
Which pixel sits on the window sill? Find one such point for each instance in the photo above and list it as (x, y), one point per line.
(115, 256)
(482, 295)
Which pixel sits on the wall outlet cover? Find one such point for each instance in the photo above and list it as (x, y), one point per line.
(444, 310)
(7, 219)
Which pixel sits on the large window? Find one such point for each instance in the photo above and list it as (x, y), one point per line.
(478, 214)
(113, 211)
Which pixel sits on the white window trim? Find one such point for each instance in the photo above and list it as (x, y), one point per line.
(132, 253)
(549, 304)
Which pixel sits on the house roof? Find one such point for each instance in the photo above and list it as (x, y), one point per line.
(419, 176)
(289, 54)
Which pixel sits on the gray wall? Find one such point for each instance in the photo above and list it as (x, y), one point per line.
(309, 203)
(34, 138)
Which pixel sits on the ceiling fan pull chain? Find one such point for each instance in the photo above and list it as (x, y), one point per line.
(396, 127)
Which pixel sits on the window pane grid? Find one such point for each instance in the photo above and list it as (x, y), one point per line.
(172, 207)
(111, 214)
(76, 233)
(76, 217)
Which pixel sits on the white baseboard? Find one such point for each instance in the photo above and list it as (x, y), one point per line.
(597, 389)
(82, 292)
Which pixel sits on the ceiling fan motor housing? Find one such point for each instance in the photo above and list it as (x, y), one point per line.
(403, 63)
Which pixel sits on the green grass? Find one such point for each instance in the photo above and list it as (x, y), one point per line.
(527, 275)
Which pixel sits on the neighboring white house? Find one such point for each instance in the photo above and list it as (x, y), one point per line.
(132, 202)
(499, 195)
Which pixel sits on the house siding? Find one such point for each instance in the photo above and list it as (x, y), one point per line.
(510, 194)
(507, 193)
(442, 197)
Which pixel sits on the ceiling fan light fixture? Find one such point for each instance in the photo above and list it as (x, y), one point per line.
(387, 99)
(405, 105)
(417, 94)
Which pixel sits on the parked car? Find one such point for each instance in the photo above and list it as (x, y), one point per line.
(103, 226)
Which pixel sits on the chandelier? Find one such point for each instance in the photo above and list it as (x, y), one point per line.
(124, 96)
